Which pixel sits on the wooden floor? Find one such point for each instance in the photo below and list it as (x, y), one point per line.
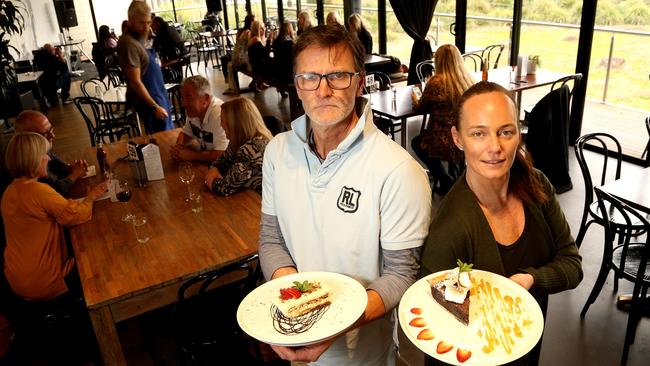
(568, 340)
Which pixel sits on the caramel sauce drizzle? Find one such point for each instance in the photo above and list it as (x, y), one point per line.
(503, 320)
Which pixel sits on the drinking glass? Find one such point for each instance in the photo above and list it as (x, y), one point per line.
(141, 227)
(124, 195)
(186, 174)
(195, 202)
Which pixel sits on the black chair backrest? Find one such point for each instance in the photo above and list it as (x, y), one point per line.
(571, 81)
(84, 104)
(101, 124)
(23, 66)
(492, 54)
(205, 281)
(93, 86)
(474, 60)
(611, 154)
(382, 78)
(425, 69)
(178, 112)
(116, 76)
(619, 232)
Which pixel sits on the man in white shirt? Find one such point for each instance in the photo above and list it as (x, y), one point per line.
(340, 196)
(203, 138)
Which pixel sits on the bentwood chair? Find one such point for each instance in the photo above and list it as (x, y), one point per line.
(425, 69)
(384, 124)
(473, 61)
(116, 76)
(177, 110)
(102, 121)
(627, 256)
(204, 49)
(205, 316)
(492, 54)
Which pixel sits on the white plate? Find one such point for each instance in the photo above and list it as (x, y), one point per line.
(444, 327)
(348, 299)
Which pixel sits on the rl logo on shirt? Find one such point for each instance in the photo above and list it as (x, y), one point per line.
(348, 199)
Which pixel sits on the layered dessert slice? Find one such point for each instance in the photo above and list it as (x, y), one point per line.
(302, 298)
(451, 291)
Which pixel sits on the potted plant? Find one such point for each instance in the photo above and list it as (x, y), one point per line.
(533, 64)
(12, 22)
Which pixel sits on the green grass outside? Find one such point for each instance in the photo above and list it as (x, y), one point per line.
(628, 82)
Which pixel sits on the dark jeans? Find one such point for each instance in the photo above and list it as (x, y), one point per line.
(51, 83)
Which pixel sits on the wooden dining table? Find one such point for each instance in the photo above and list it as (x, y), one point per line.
(122, 278)
(633, 188)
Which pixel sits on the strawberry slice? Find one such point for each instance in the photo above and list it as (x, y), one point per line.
(416, 311)
(290, 293)
(418, 322)
(463, 355)
(444, 347)
(425, 335)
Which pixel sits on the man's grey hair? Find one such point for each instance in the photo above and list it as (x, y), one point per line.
(199, 83)
(138, 8)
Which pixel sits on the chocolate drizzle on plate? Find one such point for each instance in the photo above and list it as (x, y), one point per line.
(290, 326)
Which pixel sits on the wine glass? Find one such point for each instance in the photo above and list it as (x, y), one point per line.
(186, 174)
(124, 195)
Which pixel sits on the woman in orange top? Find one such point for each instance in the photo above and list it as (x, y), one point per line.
(36, 258)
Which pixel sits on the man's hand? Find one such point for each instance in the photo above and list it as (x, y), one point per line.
(180, 153)
(77, 169)
(309, 353)
(160, 113)
(525, 280)
(212, 175)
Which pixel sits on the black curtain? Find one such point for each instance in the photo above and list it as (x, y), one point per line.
(415, 18)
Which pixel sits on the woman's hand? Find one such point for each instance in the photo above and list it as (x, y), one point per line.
(97, 191)
(525, 280)
(212, 175)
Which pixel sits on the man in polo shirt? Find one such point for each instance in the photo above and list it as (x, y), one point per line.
(340, 196)
(203, 138)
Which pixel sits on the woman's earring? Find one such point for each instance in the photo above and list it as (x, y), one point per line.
(460, 148)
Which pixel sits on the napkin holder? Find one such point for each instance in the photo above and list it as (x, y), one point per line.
(145, 162)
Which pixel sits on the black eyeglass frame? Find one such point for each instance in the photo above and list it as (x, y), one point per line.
(326, 76)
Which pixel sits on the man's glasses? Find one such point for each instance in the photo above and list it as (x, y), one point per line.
(335, 80)
(49, 132)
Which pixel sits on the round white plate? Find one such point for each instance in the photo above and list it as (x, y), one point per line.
(437, 325)
(348, 301)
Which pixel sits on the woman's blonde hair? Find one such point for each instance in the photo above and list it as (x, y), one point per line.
(355, 23)
(451, 70)
(244, 122)
(257, 29)
(24, 153)
(306, 20)
(333, 18)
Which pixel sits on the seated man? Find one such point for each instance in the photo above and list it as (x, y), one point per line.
(202, 138)
(61, 175)
(55, 76)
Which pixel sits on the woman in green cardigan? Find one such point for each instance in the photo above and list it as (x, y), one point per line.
(502, 215)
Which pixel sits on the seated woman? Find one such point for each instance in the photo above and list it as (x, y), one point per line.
(304, 22)
(240, 167)
(37, 263)
(104, 51)
(239, 58)
(356, 27)
(283, 52)
(442, 91)
(502, 214)
(259, 54)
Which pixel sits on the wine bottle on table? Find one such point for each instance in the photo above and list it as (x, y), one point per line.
(101, 157)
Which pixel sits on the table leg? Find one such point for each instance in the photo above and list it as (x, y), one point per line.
(107, 337)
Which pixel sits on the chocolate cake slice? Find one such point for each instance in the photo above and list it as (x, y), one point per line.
(459, 311)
